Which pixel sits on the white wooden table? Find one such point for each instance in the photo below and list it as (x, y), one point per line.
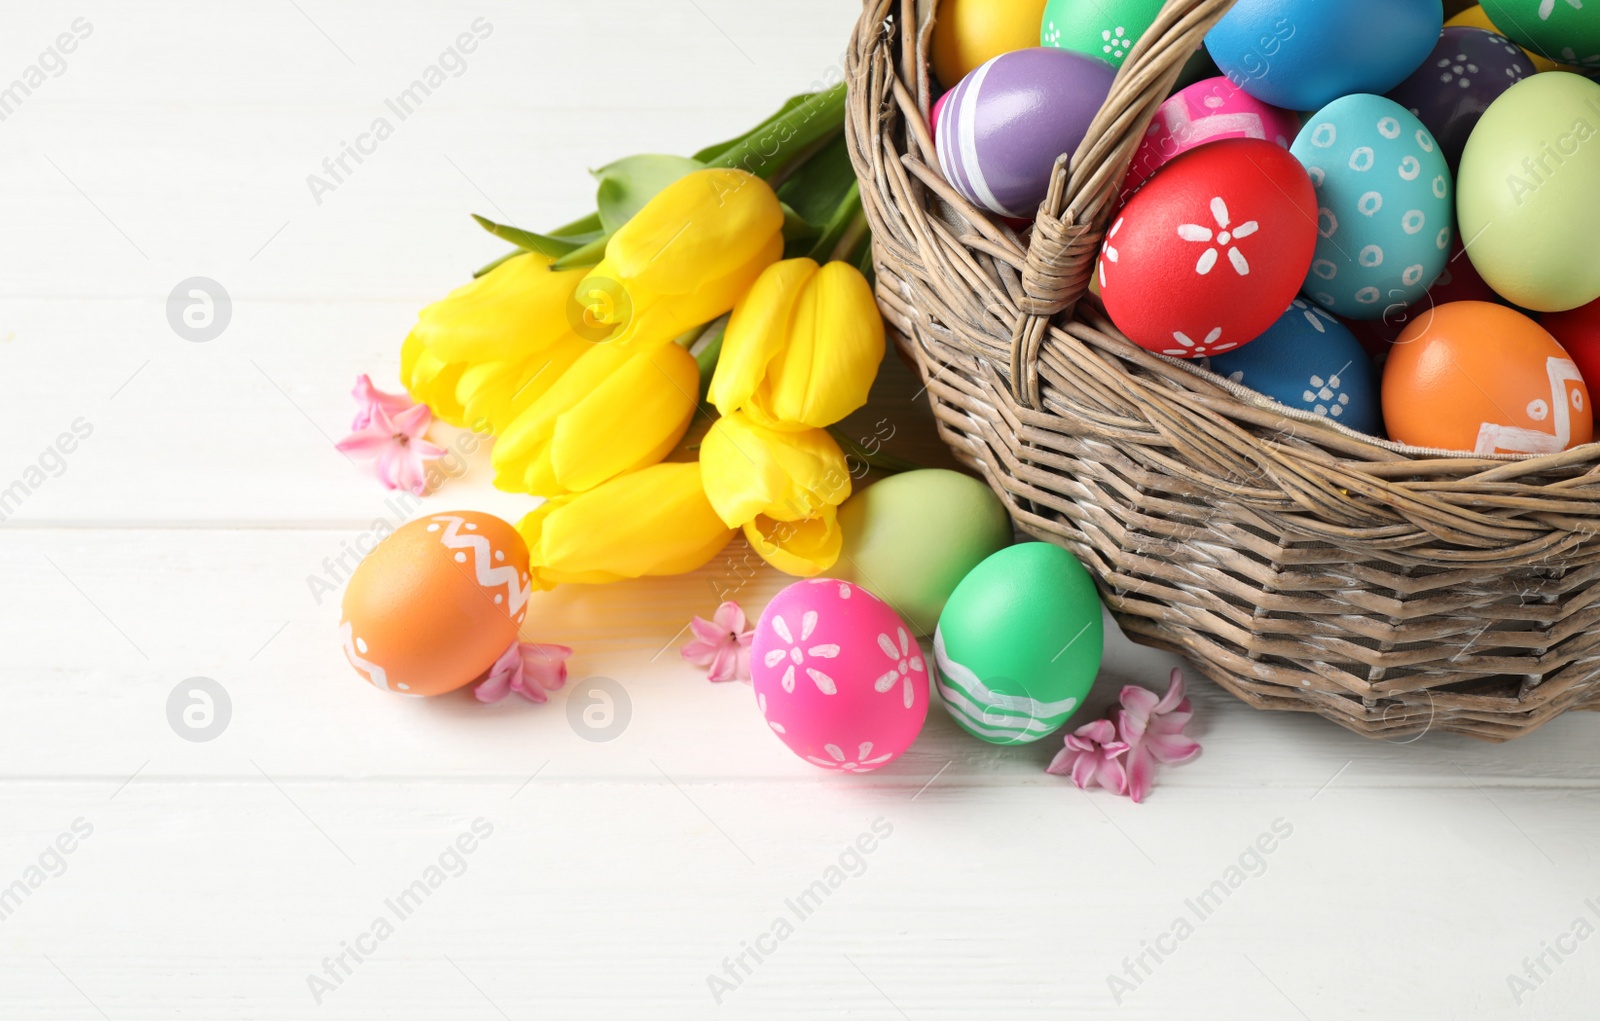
(606, 879)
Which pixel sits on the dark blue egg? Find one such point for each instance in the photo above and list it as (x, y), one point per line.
(1309, 361)
(1304, 54)
(1468, 69)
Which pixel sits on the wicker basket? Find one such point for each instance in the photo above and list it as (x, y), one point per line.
(1298, 564)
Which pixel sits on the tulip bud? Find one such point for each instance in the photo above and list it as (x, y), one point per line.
(802, 548)
(655, 521)
(751, 470)
(682, 260)
(802, 347)
(431, 381)
(514, 318)
(615, 410)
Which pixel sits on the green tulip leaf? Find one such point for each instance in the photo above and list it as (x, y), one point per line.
(772, 148)
(627, 184)
(824, 182)
(580, 229)
(528, 241)
(712, 152)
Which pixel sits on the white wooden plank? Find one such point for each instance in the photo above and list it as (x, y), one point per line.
(115, 619)
(241, 430)
(617, 901)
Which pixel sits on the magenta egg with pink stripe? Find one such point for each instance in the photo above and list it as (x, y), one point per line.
(1002, 128)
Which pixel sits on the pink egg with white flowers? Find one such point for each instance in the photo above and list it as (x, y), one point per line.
(838, 676)
(1206, 111)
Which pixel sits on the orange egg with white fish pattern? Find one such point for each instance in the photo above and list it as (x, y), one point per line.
(1480, 377)
(435, 604)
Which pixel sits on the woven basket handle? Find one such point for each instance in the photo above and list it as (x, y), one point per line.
(1072, 219)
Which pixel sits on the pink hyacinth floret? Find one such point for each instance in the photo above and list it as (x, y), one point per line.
(1092, 758)
(528, 668)
(390, 434)
(368, 397)
(1153, 729)
(721, 645)
(1121, 751)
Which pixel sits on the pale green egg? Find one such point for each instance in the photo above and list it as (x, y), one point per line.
(912, 537)
(1528, 196)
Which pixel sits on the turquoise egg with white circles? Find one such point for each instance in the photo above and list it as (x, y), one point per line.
(1385, 206)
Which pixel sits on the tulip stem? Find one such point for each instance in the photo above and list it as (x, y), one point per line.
(707, 349)
(844, 229)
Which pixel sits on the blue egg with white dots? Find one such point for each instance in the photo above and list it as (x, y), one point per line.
(1308, 360)
(1385, 206)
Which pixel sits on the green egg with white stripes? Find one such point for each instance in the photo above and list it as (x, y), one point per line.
(1019, 644)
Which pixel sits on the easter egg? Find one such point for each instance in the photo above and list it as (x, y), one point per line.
(934, 113)
(1304, 54)
(1019, 644)
(1105, 29)
(1475, 376)
(1474, 17)
(912, 537)
(1308, 361)
(1559, 30)
(838, 676)
(1530, 192)
(1211, 250)
(1385, 212)
(1005, 124)
(1467, 70)
(435, 603)
(1578, 331)
(968, 32)
(1207, 111)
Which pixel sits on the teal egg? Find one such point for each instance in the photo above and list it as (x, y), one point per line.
(1019, 644)
(911, 538)
(1530, 192)
(1385, 206)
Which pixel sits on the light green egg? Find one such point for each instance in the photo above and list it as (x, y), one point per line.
(1528, 193)
(911, 538)
(1019, 644)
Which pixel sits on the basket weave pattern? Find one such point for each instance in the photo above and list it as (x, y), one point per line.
(1298, 564)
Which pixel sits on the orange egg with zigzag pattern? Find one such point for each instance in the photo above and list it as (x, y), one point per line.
(1479, 377)
(436, 603)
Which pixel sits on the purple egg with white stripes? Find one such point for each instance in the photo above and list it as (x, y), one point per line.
(1004, 125)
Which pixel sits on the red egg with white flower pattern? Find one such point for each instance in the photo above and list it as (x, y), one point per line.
(1207, 255)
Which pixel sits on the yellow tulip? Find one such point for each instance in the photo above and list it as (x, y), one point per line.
(802, 548)
(684, 259)
(616, 409)
(473, 354)
(802, 347)
(493, 394)
(655, 521)
(751, 470)
(431, 381)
